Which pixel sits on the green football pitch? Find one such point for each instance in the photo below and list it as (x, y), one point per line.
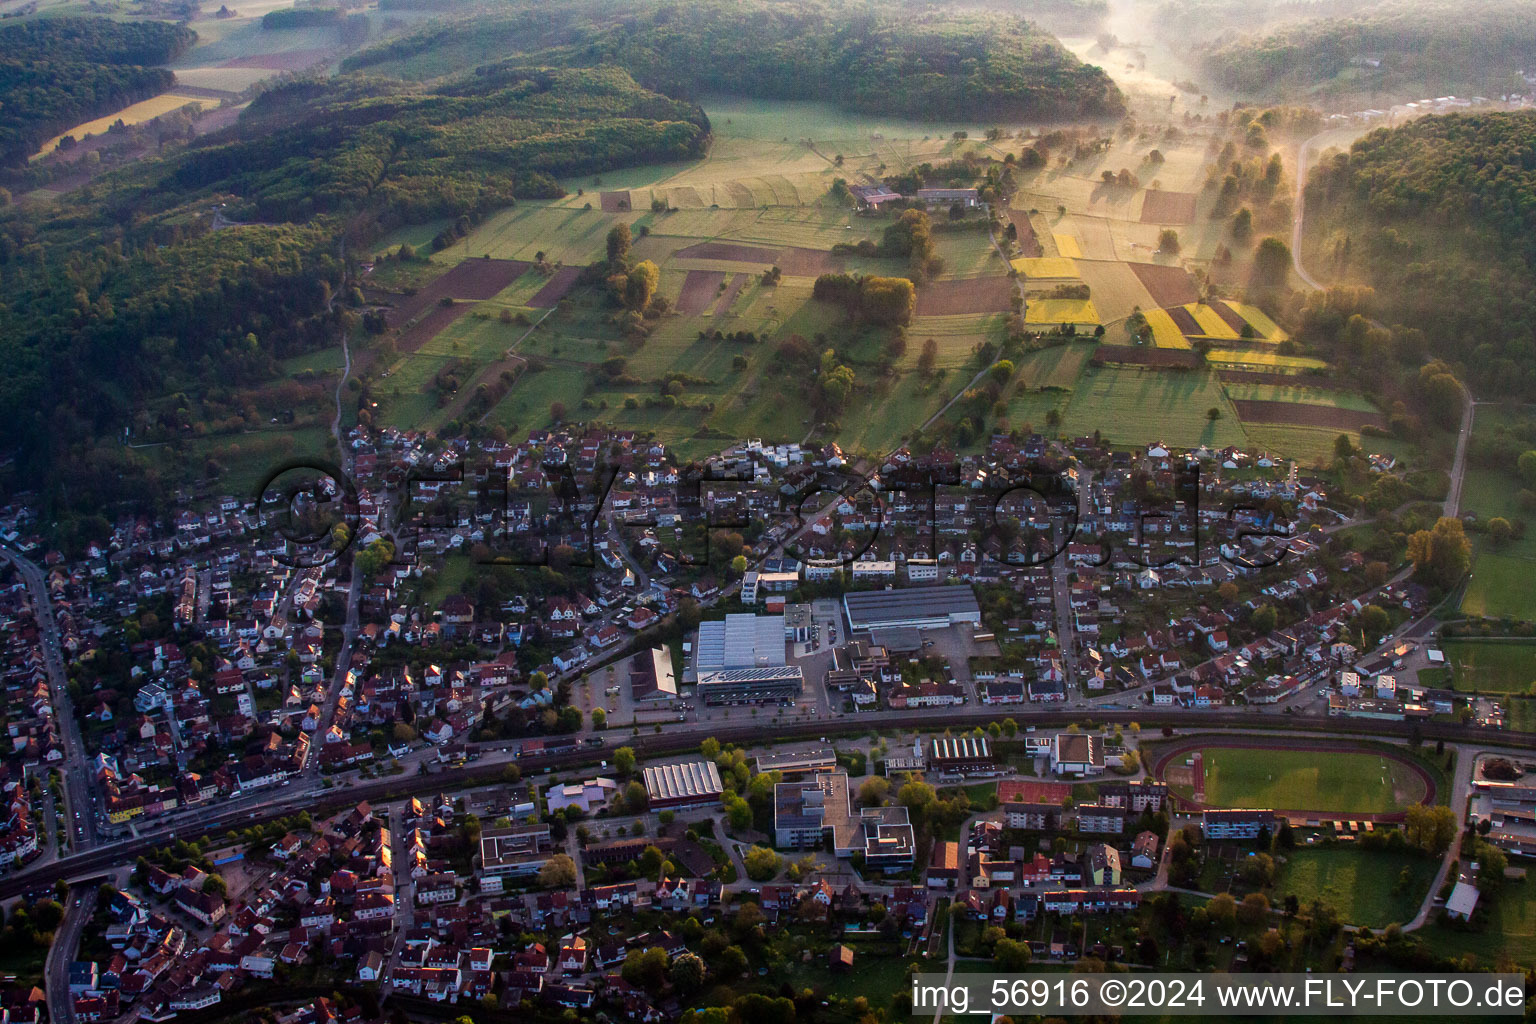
(1331, 782)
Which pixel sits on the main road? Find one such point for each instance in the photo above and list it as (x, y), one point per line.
(79, 817)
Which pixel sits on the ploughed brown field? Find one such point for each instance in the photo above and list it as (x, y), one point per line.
(801, 262)
(474, 280)
(729, 251)
(1185, 321)
(724, 305)
(1144, 355)
(1169, 286)
(431, 325)
(1230, 315)
(554, 290)
(1029, 245)
(1284, 380)
(1161, 207)
(699, 289)
(1291, 413)
(614, 202)
(292, 60)
(968, 295)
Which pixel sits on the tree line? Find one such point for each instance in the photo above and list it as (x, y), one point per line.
(877, 59)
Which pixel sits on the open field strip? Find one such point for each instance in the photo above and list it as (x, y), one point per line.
(137, 113)
(1045, 267)
(956, 336)
(1114, 288)
(1061, 311)
(1266, 328)
(1165, 333)
(1211, 323)
(1310, 446)
(1067, 245)
(1492, 665)
(1299, 394)
(1246, 358)
(1134, 406)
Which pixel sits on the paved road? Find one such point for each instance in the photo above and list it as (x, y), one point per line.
(76, 769)
(78, 909)
(1459, 467)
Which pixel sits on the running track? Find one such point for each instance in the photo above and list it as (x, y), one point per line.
(1188, 746)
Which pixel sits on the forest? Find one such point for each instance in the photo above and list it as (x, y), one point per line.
(1439, 216)
(927, 63)
(121, 296)
(1434, 46)
(57, 72)
(311, 149)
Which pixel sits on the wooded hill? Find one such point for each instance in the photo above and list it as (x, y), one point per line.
(1440, 217)
(121, 295)
(57, 72)
(927, 63)
(1437, 46)
(408, 155)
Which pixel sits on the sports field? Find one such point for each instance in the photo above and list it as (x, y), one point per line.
(1325, 781)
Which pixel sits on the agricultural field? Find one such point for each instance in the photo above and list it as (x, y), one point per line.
(1501, 577)
(1493, 666)
(1262, 361)
(1132, 406)
(758, 200)
(1324, 781)
(1117, 291)
(1165, 333)
(1061, 311)
(1366, 887)
(137, 113)
(1047, 267)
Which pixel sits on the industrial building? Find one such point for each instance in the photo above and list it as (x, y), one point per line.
(687, 784)
(740, 660)
(918, 607)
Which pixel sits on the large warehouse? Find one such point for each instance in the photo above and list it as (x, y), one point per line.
(740, 660)
(689, 784)
(917, 607)
(740, 641)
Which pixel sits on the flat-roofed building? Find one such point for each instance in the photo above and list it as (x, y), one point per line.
(740, 640)
(685, 784)
(514, 852)
(752, 685)
(741, 660)
(1236, 824)
(808, 811)
(798, 762)
(920, 607)
(589, 796)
